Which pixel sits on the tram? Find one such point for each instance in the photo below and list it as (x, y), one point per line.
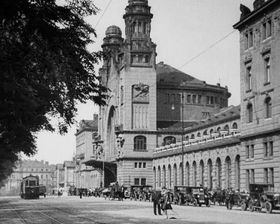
(29, 187)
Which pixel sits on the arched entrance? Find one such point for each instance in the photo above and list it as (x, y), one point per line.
(228, 171)
(219, 172)
(155, 177)
(175, 174)
(194, 174)
(169, 176)
(237, 172)
(187, 173)
(180, 174)
(201, 167)
(159, 176)
(164, 176)
(111, 136)
(209, 174)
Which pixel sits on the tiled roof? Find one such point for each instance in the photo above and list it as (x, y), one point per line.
(167, 75)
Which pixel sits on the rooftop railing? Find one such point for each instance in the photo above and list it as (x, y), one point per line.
(200, 140)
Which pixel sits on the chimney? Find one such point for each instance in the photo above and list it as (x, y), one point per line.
(258, 3)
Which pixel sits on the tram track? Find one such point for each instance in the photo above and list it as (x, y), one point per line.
(26, 221)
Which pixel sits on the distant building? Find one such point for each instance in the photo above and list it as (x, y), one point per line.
(24, 168)
(260, 92)
(86, 176)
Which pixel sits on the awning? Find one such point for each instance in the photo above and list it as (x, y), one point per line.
(99, 164)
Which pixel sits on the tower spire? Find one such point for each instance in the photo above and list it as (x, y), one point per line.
(138, 18)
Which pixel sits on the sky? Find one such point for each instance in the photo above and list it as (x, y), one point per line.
(194, 36)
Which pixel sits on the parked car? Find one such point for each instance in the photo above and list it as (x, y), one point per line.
(262, 196)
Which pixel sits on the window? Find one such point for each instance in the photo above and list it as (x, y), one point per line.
(270, 152)
(248, 78)
(268, 107)
(250, 39)
(271, 176)
(249, 113)
(265, 149)
(212, 100)
(188, 98)
(247, 178)
(122, 94)
(265, 176)
(135, 165)
(252, 176)
(194, 99)
(144, 165)
(246, 38)
(169, 140)
(252, 153)
(266, 29)
(140, 165)
(143, 181)
(208, 100)
(168, 98)
(199, 99)
(136, 181)
(172, 98)
(267, 70)
(247, 151)
(140, 143)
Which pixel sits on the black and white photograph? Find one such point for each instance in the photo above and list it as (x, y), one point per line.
(139, 111)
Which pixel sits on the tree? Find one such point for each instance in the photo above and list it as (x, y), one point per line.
(45, 70)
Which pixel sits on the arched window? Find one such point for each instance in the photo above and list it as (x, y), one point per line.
(187, 138)
(211, 131)
(226, 128)
(169, 140)
(234, 126)
(198, 134)
(218, 129)
(140, 143)
(249, 113)
(268, 107)
(192, 136)
(205, 132)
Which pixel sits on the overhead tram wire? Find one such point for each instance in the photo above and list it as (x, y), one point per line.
(207, 49)
(107, 6)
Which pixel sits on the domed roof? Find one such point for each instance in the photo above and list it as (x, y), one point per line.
(113, 31)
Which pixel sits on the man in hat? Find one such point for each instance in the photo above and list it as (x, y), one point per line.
(156, 196)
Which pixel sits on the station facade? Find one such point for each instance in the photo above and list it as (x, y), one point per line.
(149, 102)
(250, 152)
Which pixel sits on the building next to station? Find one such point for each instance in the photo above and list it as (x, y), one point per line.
(86, 149)
(24, 168)
(240, 145)
(260, 92)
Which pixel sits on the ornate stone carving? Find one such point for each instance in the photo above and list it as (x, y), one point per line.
(140, 93)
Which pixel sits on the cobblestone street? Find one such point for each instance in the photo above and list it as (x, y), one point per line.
(70, 210)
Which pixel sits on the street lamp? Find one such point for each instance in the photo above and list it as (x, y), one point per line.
(182, 134)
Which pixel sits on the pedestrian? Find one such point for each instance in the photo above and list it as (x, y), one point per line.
(81, 193)
(166, 202)
(156, 198)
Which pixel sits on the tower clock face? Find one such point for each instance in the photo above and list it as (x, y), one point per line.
(140, 93)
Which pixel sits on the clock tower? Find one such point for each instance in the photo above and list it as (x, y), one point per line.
(128, 121)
